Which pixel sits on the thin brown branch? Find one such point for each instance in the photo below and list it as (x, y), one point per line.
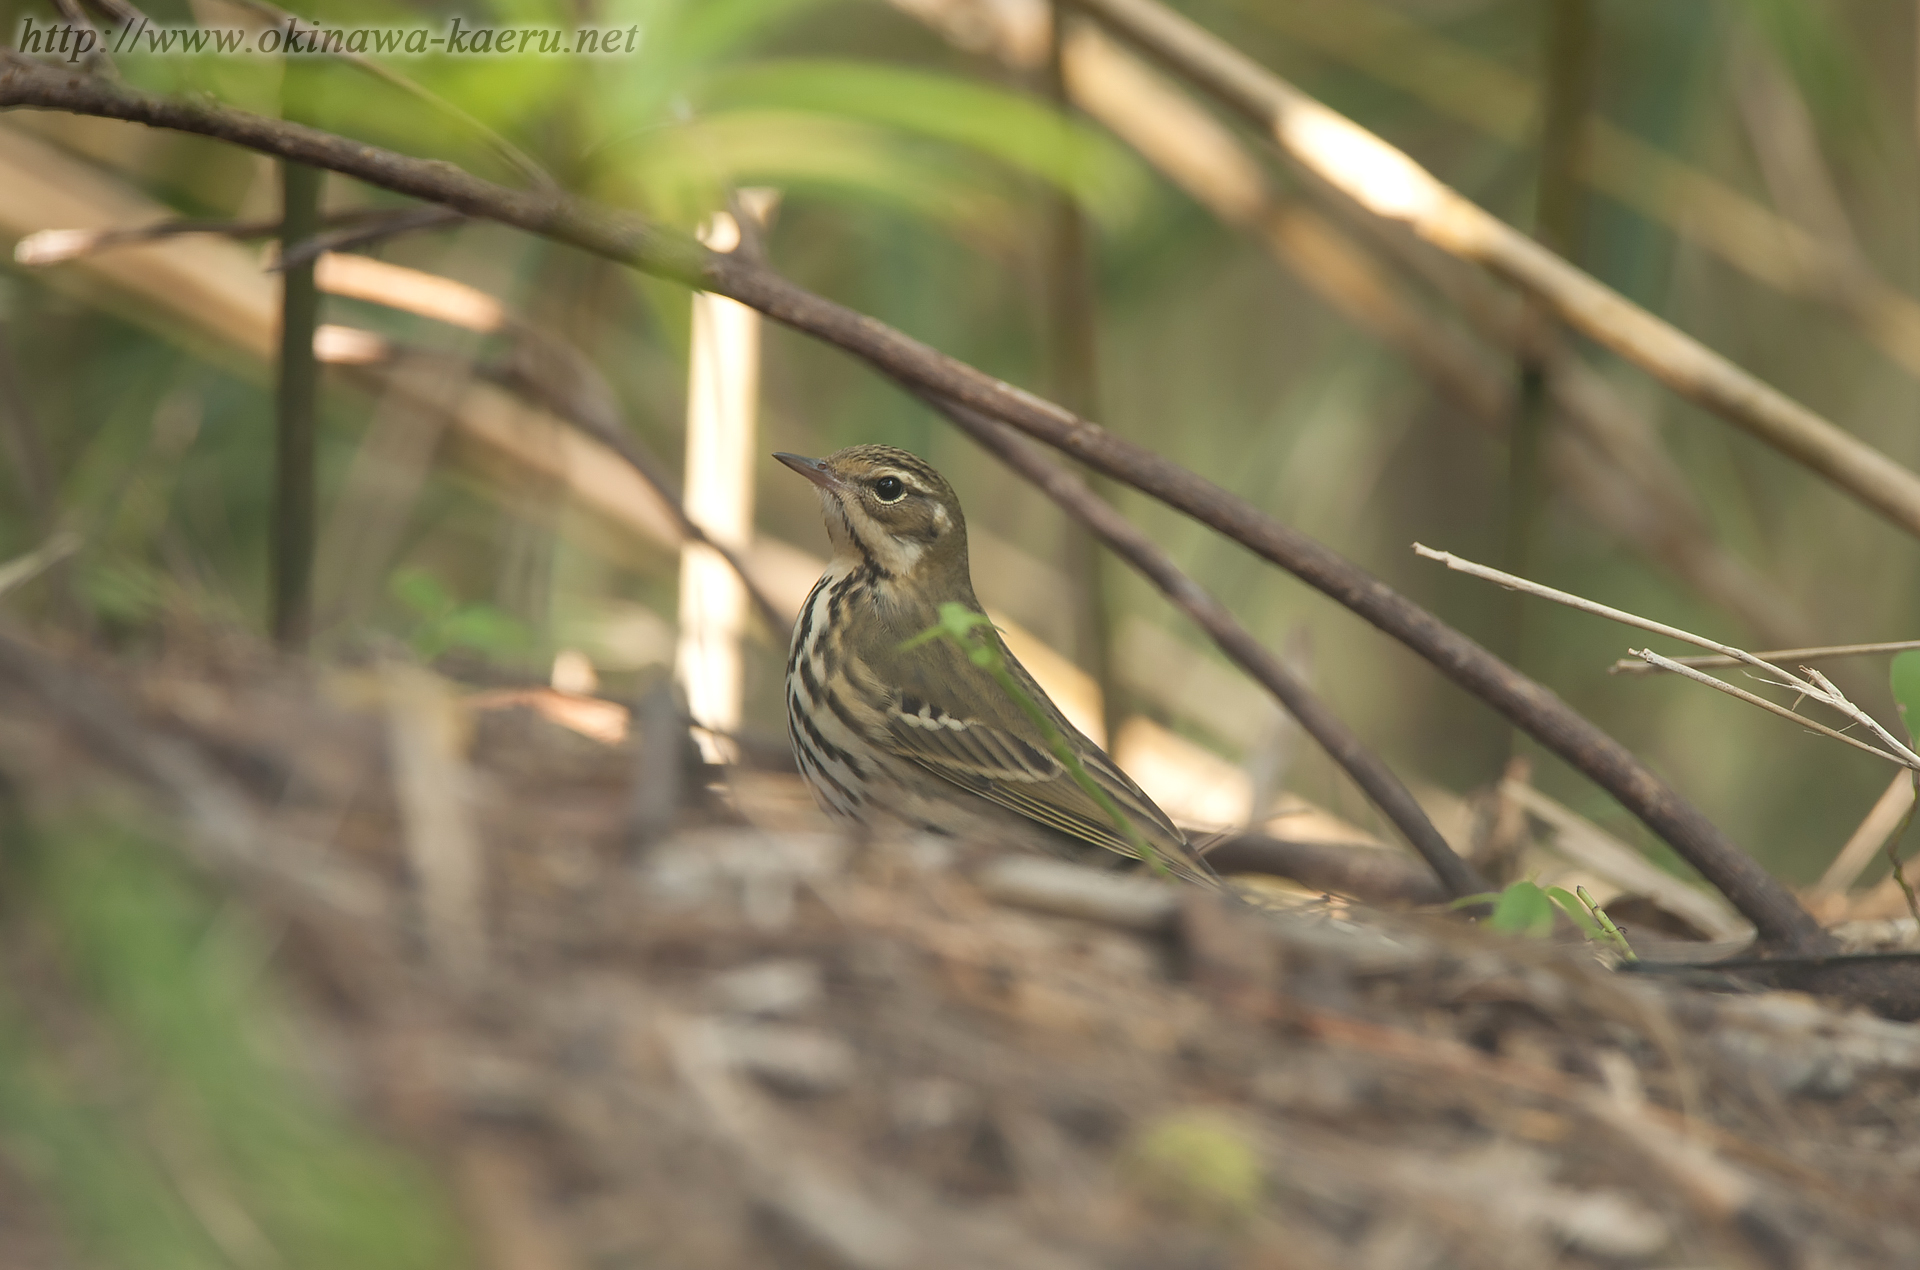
(1773, 707)
(1391, 185)
(1769, 905)
(369, 230)
(76, 17)
(1815, 686)
(1367, 874)
(1138, 549)
(57, 246)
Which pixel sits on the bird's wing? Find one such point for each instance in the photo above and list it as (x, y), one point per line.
(995, 750)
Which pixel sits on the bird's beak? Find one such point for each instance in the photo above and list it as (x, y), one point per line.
(813, 469)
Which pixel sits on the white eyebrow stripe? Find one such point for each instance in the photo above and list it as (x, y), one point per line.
(906, 478)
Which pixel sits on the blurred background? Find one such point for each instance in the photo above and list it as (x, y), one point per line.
(1746, 170)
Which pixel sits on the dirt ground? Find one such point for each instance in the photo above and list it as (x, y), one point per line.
(722, 1035)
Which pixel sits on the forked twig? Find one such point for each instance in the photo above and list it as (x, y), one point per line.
(1667, 663)
(372, 229)
(1634, 666)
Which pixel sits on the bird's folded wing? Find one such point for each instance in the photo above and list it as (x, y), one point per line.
(1008, 769)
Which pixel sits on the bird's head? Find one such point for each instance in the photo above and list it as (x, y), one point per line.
(886, 508)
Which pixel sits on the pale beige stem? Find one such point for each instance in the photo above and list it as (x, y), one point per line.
(425, 730)
(1627, 666)
(722, 394)
(1885, 816)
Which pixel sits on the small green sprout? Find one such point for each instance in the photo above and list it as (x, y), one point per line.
(1526, 908)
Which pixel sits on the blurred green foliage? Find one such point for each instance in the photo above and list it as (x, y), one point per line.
(446, 624)
(1905, 677)
(147, 1081)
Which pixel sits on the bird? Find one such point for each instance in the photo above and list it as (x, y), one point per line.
(885, 724)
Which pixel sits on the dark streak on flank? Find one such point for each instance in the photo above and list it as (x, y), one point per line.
(826, 747)
(841, 712)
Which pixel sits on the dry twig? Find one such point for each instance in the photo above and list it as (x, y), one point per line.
(57, 246)
(1815, 686)
(1634, 666)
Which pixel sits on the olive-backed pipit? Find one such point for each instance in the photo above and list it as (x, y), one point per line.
(921, 733)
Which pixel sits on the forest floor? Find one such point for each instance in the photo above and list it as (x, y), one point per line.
(732, 1037)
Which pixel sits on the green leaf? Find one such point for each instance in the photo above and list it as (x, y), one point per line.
(422, 593)
(1904, 676)
(1023, 133)
(1523, 909)
(1570, 905)
(486, 629)
(707, 30)
(957, 622)
(679, 172)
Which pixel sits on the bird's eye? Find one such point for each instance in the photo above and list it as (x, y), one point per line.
(890, 489)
